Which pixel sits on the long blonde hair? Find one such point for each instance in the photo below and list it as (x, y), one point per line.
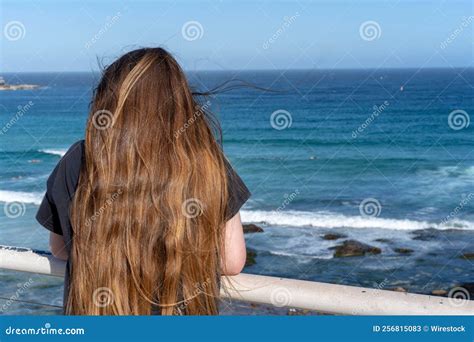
(149, 210)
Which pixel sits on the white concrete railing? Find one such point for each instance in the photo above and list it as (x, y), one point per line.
(321, 297)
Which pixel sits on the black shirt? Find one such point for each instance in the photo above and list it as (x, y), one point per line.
(53, 212)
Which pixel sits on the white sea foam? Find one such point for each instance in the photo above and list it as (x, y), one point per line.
(326, 255)
(334, 220)
(451, 171)
(56, 152)
(469, 171)
(19, 196)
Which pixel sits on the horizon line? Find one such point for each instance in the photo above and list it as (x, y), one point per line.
(260, 70)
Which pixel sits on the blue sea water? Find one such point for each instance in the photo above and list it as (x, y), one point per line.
(312, 152)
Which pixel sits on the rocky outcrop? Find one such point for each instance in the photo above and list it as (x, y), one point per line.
(333, 236)
(351, 248)
(252, 228)
(439, 292)
(383, 240)
(467, 256)
(401, 250)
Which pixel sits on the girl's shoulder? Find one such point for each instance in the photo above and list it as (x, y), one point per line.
(65, 176)
(53, 212)
(74, 156)
(76, 150)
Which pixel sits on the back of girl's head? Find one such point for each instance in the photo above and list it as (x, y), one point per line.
(150, 206)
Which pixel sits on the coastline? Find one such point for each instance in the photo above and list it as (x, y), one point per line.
(18, 86)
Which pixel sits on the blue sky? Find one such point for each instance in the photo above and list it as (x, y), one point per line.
(71, 35)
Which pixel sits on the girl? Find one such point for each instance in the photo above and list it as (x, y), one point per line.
(146, 209)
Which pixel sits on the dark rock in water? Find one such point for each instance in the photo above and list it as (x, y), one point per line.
(423, 261)
(298, 312)
(439, 292)
(424, 234)
(383, 240)
(251, 255)
(333, 236)
(467, 256)
(252, 228)
(403, 250)
(350, 248)
(469, 287)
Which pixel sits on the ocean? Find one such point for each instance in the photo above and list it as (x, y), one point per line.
(384, 157)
